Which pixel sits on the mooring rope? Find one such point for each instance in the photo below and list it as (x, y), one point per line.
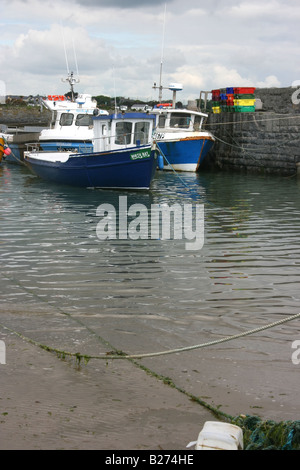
(22, 162)
(245, 149)
(121, 355)
(279, 117)
(170, 165)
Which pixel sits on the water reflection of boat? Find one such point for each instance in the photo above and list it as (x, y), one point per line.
(123, 156)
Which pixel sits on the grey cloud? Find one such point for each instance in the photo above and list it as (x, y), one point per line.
(123, 3)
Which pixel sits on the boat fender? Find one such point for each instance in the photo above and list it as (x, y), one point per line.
(160, 161)
(4, 149)
(1, 148)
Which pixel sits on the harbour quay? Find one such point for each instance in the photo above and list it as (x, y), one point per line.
(265, 141)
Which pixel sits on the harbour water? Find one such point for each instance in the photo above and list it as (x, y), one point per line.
(65, 288)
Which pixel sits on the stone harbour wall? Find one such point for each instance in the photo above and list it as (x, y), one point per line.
(19, 116)
(266, 141)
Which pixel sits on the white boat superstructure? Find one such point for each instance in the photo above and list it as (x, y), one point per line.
(71, 126)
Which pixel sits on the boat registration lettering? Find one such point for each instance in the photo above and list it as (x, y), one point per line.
(158, 135)
(140, 154)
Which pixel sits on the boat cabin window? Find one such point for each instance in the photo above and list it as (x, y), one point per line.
(180, 120)
(66, 119)
(162, 121)
(141, 132)
(123, 133)
(84, 120)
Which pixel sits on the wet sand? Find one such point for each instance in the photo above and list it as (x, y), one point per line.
(49, 403)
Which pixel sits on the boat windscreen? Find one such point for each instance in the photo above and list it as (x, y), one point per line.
(66, 119)
(180, 120)
(141, 132)
(123, 133)
(84, 120)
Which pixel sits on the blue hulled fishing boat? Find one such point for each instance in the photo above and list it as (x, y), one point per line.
(123, 156)
(180, 138)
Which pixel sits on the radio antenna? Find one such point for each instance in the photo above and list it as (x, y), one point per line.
(162, 55)
(75, 57)
(70, 78)
(160, 87)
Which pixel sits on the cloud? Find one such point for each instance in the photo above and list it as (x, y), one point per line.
(123, 3)
(269, 82)
(206, 45)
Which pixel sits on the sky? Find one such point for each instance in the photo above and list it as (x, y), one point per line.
(117, 46)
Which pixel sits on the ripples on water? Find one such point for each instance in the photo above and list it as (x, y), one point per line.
(246, 273)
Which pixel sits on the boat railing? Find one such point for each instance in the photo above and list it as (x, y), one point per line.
(32, 146)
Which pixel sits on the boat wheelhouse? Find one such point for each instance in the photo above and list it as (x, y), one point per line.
(71, 126)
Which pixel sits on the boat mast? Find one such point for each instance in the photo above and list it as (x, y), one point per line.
(72, 80)
(162, 55)
(160, 87)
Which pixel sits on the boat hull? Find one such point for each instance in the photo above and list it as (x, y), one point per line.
(186, 154)
(131, 168)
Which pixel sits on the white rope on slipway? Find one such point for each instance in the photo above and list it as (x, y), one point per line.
(114, 355)
(219, 341)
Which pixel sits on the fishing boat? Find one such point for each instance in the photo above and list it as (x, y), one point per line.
(71, 126)
(123, 156)
(179, 136)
